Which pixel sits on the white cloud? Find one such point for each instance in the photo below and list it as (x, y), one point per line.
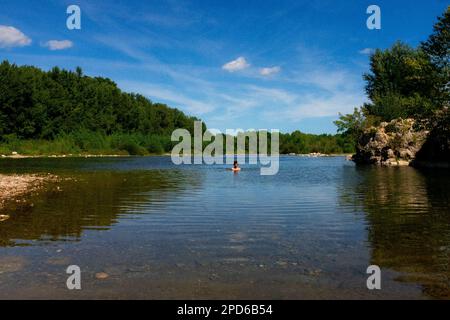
(58, 44)
(12, 37)
(236, 65)
(269, 71)
(367, 51)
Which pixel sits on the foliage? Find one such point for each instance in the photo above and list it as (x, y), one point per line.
(302, 143)
(82, 112)
(87, 142)
(36, 104)
(351, 125)
(437, 47)
(401, 83)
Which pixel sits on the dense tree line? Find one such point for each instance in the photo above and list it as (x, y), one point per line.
(407, 82)
(35, 104)
(296, 142)
(301, 143)
(81, 112)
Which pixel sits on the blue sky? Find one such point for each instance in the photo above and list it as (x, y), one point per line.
(250, 64)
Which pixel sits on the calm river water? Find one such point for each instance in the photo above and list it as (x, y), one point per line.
(164, 231)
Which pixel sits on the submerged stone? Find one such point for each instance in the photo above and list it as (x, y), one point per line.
(101, 275)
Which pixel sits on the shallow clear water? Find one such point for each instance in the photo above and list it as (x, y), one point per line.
(165, 231)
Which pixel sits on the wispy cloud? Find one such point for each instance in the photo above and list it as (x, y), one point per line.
(11, 37)
(313, 87)
(269, 71)
(329, 79)
(331, 89)
(314, 106)
(236, 65)
(58, 44)
(312, 90)
(367, 51)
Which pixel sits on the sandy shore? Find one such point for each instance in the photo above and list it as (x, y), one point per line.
(14, 185)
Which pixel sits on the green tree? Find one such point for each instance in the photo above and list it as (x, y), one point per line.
(437, 47)
(400, 83)
(35, 104)
(351, 125)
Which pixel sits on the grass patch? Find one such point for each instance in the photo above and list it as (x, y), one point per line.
(85, 142)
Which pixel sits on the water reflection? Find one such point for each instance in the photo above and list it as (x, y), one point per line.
(408, 218)
(94, 200)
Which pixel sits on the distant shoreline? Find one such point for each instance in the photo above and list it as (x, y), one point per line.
(24, 156)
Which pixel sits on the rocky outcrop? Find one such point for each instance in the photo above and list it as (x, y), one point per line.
(391, 143)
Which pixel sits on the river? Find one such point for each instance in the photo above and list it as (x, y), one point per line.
(160, 231)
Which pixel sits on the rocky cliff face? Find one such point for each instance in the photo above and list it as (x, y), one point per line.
(392, 143)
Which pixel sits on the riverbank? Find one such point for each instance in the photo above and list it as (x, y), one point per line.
(24, 156)
(318, 154)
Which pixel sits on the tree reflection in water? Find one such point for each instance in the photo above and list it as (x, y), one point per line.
(94, 200)
(408, 220)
